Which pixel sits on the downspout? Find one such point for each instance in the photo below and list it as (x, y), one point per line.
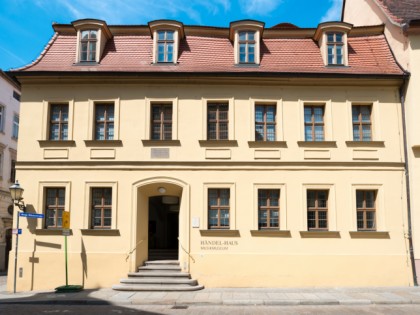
(403, 90)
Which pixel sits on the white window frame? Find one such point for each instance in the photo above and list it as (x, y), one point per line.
(87, 218)
(175, 44)
(232, 204)
(15, 126)
(2, 115)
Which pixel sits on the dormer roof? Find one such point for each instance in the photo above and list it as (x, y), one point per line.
(245, 25)
(84, 24)
(167, 24)
(332, 26)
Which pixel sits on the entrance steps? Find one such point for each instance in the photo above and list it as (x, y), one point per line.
(158, 275)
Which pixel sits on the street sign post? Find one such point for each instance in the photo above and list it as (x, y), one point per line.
(67, 232)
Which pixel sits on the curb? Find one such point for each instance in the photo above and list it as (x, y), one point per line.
(354, 302)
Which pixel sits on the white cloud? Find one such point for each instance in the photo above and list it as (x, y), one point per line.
(334, 12)
(259, 7)
(136, 11)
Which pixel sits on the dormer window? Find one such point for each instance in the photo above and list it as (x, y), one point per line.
(88, 44)
(246, 36)
(335, 48)
(166, 35)
(165, 45)
(92, 36)
(332, 41)
(247, 47)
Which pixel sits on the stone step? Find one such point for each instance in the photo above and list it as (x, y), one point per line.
(162, 262)
(164, 274)
(159, 281)
(136, 287)
(160, 267)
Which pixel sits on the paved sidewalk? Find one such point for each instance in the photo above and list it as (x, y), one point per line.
(220, 296)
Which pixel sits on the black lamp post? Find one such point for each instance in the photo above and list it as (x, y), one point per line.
(16, 193)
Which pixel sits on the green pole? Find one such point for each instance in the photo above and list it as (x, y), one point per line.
(65, 251)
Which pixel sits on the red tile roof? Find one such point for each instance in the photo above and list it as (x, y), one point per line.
(401, 11)
(133, 53)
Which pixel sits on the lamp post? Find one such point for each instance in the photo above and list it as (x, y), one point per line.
(16, 193)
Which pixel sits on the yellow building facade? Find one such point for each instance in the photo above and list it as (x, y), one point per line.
(248, 173)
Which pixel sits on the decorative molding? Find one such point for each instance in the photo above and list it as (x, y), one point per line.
(267, 144)
(270, 233)
(317, 144)
(221, 232)
(320, 234)
(103, 143)
(218, 143)
(56, 143)
(101, 232)
(369, 234)
(161, 143)
(366, 144)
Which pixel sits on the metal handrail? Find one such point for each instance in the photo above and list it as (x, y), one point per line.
(182, 247)
(132, 251)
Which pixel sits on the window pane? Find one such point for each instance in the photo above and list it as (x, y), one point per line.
(359, 199)
(355, 113)
(318, 114)
(54, 132)
(224, 218)
(251, 36)
(169, 35)
(365, 110)
(339, 37)
(322, 199)
(356, 133)
(319, 133)
(370, 199)
(308, 133)
(308, 114)
(224, 197)
(367, 134)
(271, 132)
(259, 113)
(271, 114)
(242, 35)
(311, 198)
(330, 37)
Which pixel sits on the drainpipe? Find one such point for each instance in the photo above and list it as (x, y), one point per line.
(403, 90)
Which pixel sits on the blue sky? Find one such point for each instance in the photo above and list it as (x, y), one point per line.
(25, 25)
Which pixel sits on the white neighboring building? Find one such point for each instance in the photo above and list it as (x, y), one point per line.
(9, 128)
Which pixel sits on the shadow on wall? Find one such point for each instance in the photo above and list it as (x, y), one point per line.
(35, 260)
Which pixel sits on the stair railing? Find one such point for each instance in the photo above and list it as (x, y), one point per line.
(182, 247)
(132, 251)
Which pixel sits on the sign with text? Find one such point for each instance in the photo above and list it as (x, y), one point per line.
(31, 215)
(66, 232)
(16, 231)
(66, 220)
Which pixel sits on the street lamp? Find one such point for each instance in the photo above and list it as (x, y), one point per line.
(16, 193)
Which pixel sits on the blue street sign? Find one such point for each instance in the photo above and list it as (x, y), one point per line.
(16, 231)
(31, 215)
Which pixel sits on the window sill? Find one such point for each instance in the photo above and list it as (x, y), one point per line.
(317, 144)
(368, 144)
(103, 143)
(271, 233)
(101, 232)
(161, 143)
(56, 143)
(221, 232)
(218, 143)
(86, 63)
(319, 234)
(247, 65)
(267, 144)
(58, 231)
(369, 234)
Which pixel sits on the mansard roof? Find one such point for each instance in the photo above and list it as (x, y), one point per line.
(209, 50)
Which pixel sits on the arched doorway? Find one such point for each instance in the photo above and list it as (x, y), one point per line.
(161, 221)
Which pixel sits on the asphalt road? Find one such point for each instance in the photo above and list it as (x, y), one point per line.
(19, 309)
